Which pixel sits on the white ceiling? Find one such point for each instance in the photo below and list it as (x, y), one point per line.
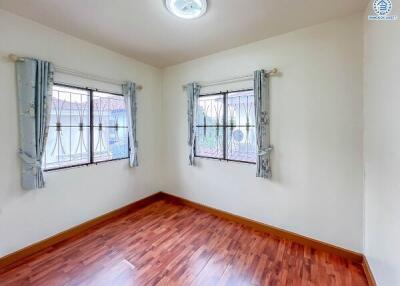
(146, 31)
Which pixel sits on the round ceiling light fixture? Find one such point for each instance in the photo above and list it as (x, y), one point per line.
(187, 9)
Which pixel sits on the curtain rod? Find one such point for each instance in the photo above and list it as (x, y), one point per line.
(69, 71)
(273, 71)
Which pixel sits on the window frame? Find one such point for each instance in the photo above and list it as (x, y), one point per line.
(91, 132)
(224, 126)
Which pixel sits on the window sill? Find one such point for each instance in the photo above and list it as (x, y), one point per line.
(83, 165)
(226, 160)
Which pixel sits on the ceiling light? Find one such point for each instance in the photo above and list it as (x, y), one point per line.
(187, 9)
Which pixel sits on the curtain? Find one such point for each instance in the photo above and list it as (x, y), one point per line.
(262, 113)
(129, 93)
(34, 88)
(192, 93)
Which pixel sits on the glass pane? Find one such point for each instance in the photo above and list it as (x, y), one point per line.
(67, 146)
(80, 148)
(108, 110)
(110, 143)
(70, 107)
(80, 110)
(68, 141)
(209, 142)
(241, 144)
(240, 108)
(210, 110)
(52, 148)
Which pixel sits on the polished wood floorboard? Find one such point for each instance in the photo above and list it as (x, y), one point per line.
(169, 244)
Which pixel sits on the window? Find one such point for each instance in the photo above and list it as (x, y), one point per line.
(86, 127)
(225, 126)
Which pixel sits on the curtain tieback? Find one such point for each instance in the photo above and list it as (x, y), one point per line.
(263, 152)
(32, 162)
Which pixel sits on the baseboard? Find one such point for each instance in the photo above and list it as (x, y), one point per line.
(316, 244)
(17, 257)
(368, 272)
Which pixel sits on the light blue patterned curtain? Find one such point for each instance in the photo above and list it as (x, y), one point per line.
(192, 93)
(34, 88)
(129, 92)
(262, 112)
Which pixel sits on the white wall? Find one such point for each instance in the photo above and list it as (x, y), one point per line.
(317, 118)
(382, 152)
(75, 195)
(317, 186)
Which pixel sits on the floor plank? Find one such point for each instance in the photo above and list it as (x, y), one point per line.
(169, 244)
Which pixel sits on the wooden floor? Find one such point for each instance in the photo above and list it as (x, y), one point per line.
(169, 244)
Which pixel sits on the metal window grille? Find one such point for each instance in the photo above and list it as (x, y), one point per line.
(86, 127)
(225, 126)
